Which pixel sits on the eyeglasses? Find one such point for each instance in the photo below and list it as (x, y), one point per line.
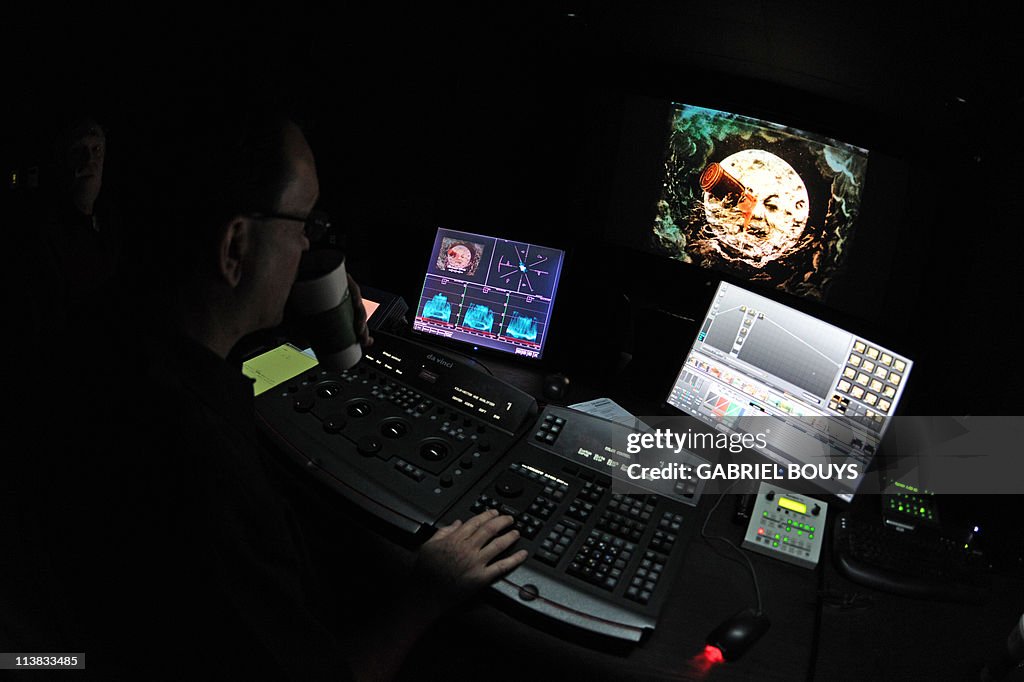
(316, 224)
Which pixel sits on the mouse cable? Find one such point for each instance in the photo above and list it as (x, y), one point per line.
(703, 534)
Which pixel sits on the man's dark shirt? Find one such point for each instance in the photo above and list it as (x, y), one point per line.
(84, 248)
(175, 554)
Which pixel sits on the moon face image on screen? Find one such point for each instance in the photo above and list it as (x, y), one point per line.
(770, 223)
(459, 258)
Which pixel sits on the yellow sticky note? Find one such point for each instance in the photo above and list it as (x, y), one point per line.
(276, 366)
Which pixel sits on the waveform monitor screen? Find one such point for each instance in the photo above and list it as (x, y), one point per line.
(489, 293)
(828, 390)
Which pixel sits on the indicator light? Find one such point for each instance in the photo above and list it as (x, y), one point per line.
(713, 654)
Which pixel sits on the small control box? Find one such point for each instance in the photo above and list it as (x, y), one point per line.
(786, 526)
(906, 507)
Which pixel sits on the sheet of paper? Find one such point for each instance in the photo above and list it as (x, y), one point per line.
(371, 307)
(606, 408)
(276, 366)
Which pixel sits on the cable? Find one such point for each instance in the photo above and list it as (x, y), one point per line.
(812, 663)
(470, 358)
(703, 534)
(447, 350)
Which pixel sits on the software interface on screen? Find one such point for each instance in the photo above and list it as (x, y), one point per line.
(757, 199)
(489, 292)
(826, 387)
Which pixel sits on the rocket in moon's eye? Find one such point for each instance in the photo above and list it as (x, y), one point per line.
(717, 182)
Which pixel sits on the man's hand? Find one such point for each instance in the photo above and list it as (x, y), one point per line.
(450, 567)
(456, 561)
(359, 318)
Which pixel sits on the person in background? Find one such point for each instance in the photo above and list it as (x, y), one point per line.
(76, 240)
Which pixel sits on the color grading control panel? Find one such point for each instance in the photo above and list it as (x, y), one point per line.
(403, 434)
(603, 555)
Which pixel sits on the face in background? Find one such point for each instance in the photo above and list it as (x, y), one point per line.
(278, 244)
(87, 146)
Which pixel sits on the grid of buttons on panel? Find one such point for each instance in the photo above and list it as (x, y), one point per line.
(867, 388)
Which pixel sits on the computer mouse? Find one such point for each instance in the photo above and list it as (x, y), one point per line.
(555, 386)
(735, 635)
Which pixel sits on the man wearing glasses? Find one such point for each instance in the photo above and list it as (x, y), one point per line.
(180, 558)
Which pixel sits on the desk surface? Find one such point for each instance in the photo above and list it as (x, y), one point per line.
(884, 637)
(712, 585)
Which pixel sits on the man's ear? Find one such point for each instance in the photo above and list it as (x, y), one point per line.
(235, 243)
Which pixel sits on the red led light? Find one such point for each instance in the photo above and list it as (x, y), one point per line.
(713, 654)
(760, 531)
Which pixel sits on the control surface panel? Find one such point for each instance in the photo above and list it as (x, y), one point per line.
(786, 526)
(601, 558)
(404, 434)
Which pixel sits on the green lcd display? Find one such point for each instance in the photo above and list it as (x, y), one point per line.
(793, 505)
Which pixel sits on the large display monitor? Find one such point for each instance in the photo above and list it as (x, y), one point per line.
(489, 293)
(827, 389)
(761, 200)
(787, 199)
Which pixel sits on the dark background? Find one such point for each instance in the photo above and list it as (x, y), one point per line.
(518, 121)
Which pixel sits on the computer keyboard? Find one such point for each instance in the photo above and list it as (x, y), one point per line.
(922, 564)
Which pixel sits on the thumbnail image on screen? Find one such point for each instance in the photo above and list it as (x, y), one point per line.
(771, 203)
(489, 292)
(826, 390)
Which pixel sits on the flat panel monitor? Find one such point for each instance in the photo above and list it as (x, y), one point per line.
(828, 389)
(489, 293)
(763, 201)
